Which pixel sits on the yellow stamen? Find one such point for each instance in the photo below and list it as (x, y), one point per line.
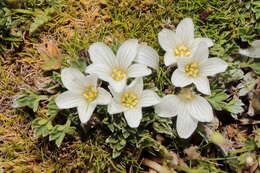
(186, 94)
(192, 69)
(182, 50)
(90, 93)
(118, 74)
(129, 100)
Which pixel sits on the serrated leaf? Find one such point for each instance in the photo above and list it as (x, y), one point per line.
(42, 127)
(235, 106)
(217, 99)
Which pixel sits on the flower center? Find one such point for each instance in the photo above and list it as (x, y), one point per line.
(118, 74)
(129, 100)
(90, 93)
(186, 94)
(182, 50)
(192, 69)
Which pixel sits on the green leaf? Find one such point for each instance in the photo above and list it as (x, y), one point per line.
(256, 67)
(52, 108)
(217, 99)
(42, 127)
(235, 106)
(79, 64)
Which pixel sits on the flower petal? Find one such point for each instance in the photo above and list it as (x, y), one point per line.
(127, 53)
(180, 79)
(213, 66)
(202, 52)
(185, 125)
(196, 42)
(185, 30)
(136, 86)
(73, 80)
(138, 70)
(169, 58)
(167, 107)
(103, 98)
(147, 56)
(101, 70)
(101, 54)
(200, 109)
(92, 80)
(202, 85)
(133, 117)
(118, 86)
(253, 51)
(85, 111)
(149, 98)
(68, 100)
(166, 39)
(115, 108)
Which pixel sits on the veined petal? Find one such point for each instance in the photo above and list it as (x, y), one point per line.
(101, 70)
(147, 56)
(115, 108)
(73, 80)
(103, 97)
(85, 111)
(68, 100)
(200, 109)
(136, 86)
(253, 51)
(166, 39)
(133, 117)
(149, 98)
(185, 30)
(185, 125)
(118, 86)
(196, 42)
(138, 70)
(169, 58)
(202, 52)
(91, 80)
(213, 66)
(101, 54)
(167, 107)
(127, 53)
(202, 85)
(180, 79)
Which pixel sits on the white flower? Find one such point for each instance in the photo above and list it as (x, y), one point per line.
(189, 108)
(116, 69)
(180, 43)
(195, 69)
(131, 100)
(253, 51)
(82, 93)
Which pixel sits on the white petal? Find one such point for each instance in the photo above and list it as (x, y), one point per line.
(167, 107)
(118, 86)
(169, 58)
(85, 111)
(127, 53)
(196, 42)
(180, 79)
(73, 80)
(253, 51)
(92, 79)
(102, 71)
(213, 66)
(202, 85)
(103, 97)
(183, 61)
(115, 108)
(133, 117)
(166, 39)
(138, 70)
(200, 109)
(101, 54)
(68, 100)
(185, 30)
(136, 86)
(202, 52)
(147, 56)
(185, 125)
(149, 98)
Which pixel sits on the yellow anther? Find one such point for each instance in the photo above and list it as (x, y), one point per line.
(182, 50)
(90, 93)
(192, 69)
(129, 100)
(186, 94)
(118, 74)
